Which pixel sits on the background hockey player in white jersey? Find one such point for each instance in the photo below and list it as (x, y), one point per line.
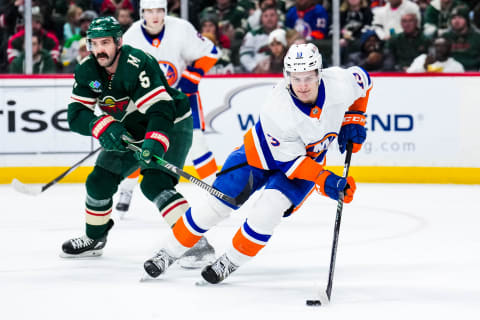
(184, 57)
(284, 152)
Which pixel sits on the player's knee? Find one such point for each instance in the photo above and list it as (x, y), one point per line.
(210, 212)
(154, 182)
(267, 211)
(101, 183)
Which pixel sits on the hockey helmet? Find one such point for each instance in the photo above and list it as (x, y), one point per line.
(104, 27)
(152, 4)
(302, 58)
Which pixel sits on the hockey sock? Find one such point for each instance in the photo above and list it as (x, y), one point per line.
(186, 231)
(205, 165)
(248, 243)
(97, 217)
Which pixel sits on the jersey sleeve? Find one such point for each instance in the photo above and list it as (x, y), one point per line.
(82, 104)
(199, 51)
(362, 85)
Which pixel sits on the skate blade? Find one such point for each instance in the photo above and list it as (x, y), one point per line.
(203, 283)
(191, 262)
(147, 278)
(88, 254)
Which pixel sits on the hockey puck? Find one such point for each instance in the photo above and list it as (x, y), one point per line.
(314, 303)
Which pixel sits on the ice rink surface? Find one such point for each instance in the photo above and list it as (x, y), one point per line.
(405, 252)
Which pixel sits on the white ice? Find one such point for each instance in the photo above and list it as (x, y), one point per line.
(405, 252)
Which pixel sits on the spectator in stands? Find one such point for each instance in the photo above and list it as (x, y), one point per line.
(309, 19)
(9, 17)
(386, 19)
(82, 53)
(465, 41)
(209, 29)
(253, 21)
(437, 16)
(422, 5)
(124, 17)
(255, 44)
(232, 21)
(48, 40)
(273, 63)
(109, 7)
(248, 5)
(355, 15)
(72, 26)
(437, 60)
(407, 45)
(42, 61)
(375, 4)
(371, 56)
(71, 46)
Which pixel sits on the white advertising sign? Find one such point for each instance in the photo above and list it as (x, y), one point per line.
(411, 121)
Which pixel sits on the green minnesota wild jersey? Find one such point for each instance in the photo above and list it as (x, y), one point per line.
(137, 95)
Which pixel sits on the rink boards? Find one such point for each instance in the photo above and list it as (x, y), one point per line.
(421, 129)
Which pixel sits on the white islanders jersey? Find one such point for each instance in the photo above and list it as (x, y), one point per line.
(177, 46)
(288, 130)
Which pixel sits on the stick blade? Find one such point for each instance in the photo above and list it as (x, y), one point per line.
(29, 189)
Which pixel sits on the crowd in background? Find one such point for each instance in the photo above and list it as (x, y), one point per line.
(254, 35)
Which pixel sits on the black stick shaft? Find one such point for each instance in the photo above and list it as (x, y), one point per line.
(338, 219)
(60, 177)
(217, 193)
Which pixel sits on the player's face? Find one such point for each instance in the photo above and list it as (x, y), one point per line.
(104, 50)
(154, 17)
(305, 85)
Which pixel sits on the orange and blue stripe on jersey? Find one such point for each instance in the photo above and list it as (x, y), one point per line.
(257, 149)
(155, 42)
(249, 242)
(207, 62)
(303, 167)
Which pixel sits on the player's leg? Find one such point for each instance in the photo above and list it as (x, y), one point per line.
(201, 155)
(126, 191)
(101, 184)
(191, 227)
(264, 215)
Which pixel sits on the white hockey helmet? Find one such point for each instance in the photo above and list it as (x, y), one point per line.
(152, 4)
(302, 58)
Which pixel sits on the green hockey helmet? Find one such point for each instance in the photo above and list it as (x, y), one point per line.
(104, 27)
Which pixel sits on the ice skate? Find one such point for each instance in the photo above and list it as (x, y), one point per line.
(219, 270)
(201, 254)
(124, 202)
(157, 265)
(83, 247)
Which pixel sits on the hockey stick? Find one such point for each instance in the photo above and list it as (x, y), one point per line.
(237, 201)
(338, 219)
(34, 190)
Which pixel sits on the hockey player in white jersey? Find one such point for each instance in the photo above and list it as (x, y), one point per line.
(184, 57)
(285, 153)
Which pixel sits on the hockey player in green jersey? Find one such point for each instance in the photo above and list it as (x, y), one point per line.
(136, 101)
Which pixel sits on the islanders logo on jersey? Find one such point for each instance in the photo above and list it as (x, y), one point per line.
(316, 149)
(114, 107)
(169, 70)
